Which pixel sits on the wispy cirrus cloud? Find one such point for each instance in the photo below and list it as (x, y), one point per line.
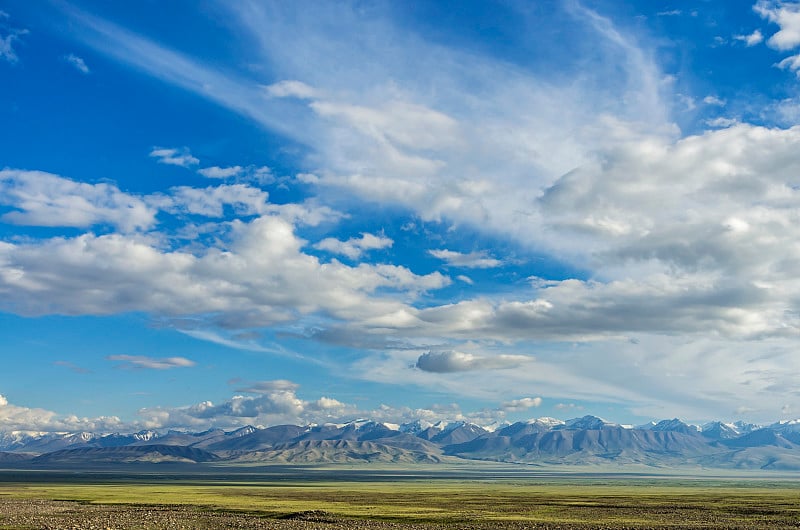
(9, 37)
(471, 260)
(72, 367)
(675, 236)
(150, 363)
(174, 157)
(78, 63)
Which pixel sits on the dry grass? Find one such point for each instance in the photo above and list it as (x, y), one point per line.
(568, 503)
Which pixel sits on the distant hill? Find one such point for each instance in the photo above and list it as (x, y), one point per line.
(128, 454)
(586, 441)
(13, 458)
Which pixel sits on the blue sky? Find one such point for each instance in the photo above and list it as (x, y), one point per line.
(215, 214)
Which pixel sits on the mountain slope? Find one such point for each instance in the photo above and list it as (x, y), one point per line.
(129, 454)
(337, 451)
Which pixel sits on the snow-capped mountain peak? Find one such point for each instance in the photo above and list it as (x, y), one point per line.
(546, 421)
(590, 423)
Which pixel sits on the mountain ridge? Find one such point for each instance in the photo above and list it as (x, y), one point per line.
(588, 440)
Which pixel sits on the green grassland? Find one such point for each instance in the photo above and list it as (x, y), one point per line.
(571, 501)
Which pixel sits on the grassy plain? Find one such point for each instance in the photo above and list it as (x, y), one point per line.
(525, 502)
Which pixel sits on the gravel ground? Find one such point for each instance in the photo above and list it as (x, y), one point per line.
(71, 515)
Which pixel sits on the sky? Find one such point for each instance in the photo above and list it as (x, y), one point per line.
(216, 214)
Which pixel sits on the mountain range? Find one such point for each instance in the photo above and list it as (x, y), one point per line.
(544, 441)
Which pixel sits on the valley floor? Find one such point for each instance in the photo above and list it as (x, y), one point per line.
(567, 502)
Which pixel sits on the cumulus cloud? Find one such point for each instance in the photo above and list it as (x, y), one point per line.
(472, 260)
(455, 361)
(750, 40)
(275, 402)
(354, 247)
(690, 237)
(787, 16)
(279, 404)
(261, 277)
(18, 418)
(714, 100)
(216, 172)
(721, 122)
(78, 63)
(45, 199)
(211, 201)
(174, 157)
(516, 405)
(258, 174)
(151, 363)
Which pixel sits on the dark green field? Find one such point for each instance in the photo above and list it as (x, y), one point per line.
(359, 498)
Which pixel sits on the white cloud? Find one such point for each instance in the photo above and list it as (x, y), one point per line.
(472, 260)
(721, 122)
(275, 403)
(354, 247)
(17, 418)
(77, 62)
(516, 405)
(714, 100)
(45, 199)
(7, 41)
(72, 367)
(791, 63)
(465, 279)
(266, 387)
(677, 240)
(455, 361)
(237, 343)
(260, 175)
(174, 157)
(152, 363)
(211, 201)
(259, 278)
(290, 89)
(750, 40)
(787, 16)
(422, 140)
(216, 172)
